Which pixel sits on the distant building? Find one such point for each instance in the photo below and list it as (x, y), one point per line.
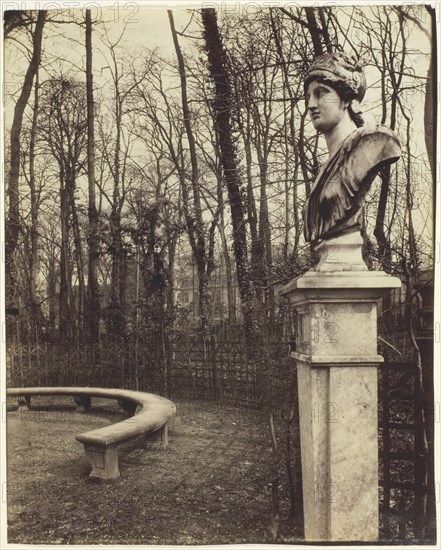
(187, 291)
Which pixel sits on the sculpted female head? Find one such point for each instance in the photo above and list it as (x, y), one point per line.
(336, 81)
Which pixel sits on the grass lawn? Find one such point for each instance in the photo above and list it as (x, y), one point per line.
(209, 487)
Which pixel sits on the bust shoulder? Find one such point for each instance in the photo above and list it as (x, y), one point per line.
(366, 150)
(346, 178)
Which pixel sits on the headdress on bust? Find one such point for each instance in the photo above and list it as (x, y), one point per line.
(345, 74)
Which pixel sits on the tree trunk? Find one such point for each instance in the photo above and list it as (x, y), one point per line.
(13, 218)
(265, 231)
(195, 224)
(222, 107)
(430, 104)
(290, 147)
(117, 311)
(80, 297)
(35, 309)
(384, 248)
(257, 250)
(52, 295)
(314, 31)
(93, 300)
(64, 309)
(228, 269)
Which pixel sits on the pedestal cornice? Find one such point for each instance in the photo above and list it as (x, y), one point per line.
(337, 360)
(339, 286)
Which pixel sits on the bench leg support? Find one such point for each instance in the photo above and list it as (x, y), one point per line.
(24, 402)
(104, 461)
(128, 406)
(83, 402)
(164, 436)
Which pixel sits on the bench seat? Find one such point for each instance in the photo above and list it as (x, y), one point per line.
(101, 444)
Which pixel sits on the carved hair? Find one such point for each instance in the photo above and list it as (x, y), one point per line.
(344, 74)
(346, 94)
(356, 117)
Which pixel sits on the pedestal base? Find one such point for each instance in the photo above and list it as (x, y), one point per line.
(342, 253)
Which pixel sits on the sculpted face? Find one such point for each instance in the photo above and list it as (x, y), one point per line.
(325, 107)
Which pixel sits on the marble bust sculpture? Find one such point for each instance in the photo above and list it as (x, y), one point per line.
(334, 86)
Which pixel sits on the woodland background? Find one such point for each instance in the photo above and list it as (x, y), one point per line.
(154, 205)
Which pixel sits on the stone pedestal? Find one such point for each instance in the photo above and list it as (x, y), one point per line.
(337, 360)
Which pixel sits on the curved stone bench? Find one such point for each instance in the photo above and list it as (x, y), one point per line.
(101, 444)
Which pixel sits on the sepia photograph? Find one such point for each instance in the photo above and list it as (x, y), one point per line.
(220, 255)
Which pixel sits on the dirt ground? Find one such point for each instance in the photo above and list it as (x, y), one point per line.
(210, 486)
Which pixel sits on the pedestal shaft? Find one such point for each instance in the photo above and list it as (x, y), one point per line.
(338, 431)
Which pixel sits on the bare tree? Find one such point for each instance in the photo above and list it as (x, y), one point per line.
(195, 223)
(115, 147)
(93, 298)
(63, 126)
(13, 216)
(222, 107)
